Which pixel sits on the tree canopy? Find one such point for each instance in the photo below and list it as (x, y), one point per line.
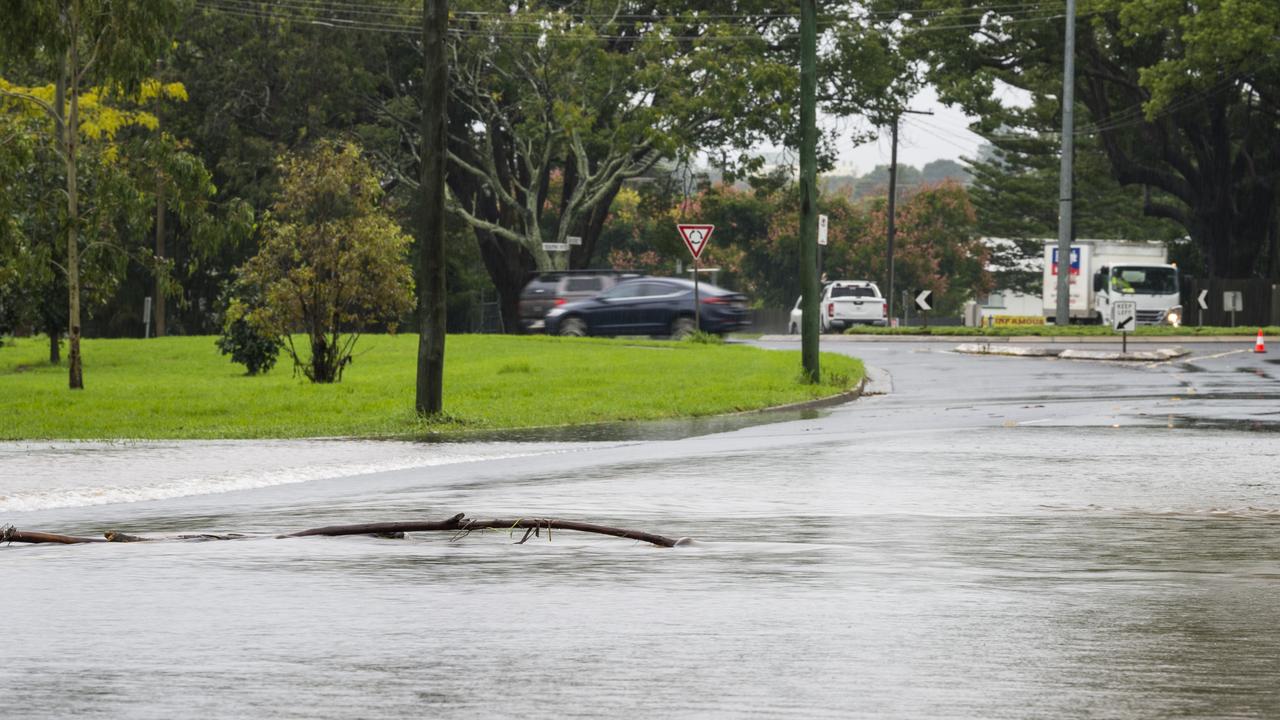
(1182, 98)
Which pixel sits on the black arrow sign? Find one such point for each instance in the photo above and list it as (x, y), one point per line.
(1122, 323)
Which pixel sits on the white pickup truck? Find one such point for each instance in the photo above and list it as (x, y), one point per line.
(845, 303)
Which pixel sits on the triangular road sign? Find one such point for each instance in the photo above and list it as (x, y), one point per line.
(695, 237)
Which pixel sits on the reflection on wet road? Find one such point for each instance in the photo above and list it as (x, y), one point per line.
(997, 538)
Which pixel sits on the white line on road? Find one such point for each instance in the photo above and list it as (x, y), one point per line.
(1219, 355)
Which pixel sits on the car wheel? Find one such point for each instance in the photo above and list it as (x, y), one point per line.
(681, 328)
(573, 327)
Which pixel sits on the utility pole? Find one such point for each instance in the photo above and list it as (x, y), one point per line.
(893, 211)
(808, 191)
(893, 202)
(431, 284)
(1063, 316)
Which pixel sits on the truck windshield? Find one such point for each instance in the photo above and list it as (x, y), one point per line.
(846, 291)
(1145, 280)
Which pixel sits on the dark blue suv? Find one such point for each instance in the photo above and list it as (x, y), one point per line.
(650, 306)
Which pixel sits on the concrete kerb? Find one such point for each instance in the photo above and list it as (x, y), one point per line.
(1157, 355)
(1025, 339)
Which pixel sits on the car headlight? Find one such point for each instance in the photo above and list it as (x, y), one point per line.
(1174, 316)
(555, 312)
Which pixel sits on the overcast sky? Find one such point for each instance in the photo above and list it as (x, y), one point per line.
(922, 139)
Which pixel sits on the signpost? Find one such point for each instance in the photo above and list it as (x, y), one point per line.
(923, 301)
(1232, 302)
(695, 238)
(822, 242)
(146, 316)
(1203, 306)
(1124, 316)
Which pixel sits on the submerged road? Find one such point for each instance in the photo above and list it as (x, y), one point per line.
(992, 537)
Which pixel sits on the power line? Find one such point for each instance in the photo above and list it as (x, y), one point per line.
(294, 11)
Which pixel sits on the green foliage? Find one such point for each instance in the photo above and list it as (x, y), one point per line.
(756, 243)
(244, 342)
(1180, 97)
(703, 338)
(247, 346)
(180, 387)
(331, 262)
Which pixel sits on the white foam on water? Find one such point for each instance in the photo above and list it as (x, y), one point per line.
(45, 476)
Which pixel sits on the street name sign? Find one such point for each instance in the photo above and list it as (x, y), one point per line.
(1203, 305)
(924, 299)
(1124, 316)
(574, 239)
(696, 237)
(555, 247)
(822, 229)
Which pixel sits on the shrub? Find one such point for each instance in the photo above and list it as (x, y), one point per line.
(245, 344)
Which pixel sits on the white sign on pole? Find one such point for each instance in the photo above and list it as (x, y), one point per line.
(822, 229)
(1233, 301)
(1124, 316)
(1203, 305)
(555, 247)
(696, 237)
(923, 299)
(574, 240)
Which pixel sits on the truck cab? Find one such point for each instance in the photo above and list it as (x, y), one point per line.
(1153, 287)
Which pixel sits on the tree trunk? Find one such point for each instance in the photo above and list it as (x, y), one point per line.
(509, 267)
(432, 299)
(158, 303)
(70, 138)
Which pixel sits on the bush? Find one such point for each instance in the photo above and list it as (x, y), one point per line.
(245, 344)
(332, 261)
(704, 338)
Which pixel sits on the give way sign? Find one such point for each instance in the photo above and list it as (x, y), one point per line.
(695, 237)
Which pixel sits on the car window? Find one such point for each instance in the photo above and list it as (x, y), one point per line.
(539, 287)
(852, 291)
(650, 289)
(583, 284)
(624, 290)
(1149, 280)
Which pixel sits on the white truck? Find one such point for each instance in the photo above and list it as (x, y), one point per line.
(845, 303)
(1104, 271)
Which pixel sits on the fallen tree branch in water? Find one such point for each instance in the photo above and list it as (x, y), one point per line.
(11, 534)
(458, 524)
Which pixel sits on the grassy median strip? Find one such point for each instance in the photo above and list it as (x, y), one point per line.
(1055, 331)
(180, 387)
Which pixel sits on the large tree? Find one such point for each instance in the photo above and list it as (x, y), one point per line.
(82, 43)
(1182, 97)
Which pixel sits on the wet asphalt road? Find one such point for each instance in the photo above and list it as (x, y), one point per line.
(992, 537)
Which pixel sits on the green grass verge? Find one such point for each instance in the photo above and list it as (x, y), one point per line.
(1055, 331)
(180, 387)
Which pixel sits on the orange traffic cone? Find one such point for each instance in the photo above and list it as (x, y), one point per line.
(1260, 347)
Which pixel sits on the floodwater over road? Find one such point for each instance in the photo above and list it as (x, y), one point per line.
(997, 537)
